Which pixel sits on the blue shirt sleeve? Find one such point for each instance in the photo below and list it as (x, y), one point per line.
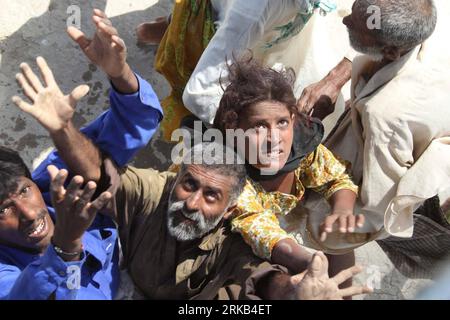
(46, 275)
(120, 131)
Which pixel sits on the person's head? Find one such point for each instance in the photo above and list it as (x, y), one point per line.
(24, 219)
(205, 191)
(404, 24)
(260, 101)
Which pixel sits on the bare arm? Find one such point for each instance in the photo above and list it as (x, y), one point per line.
(312, 284)
(290, 254)
(320, 98)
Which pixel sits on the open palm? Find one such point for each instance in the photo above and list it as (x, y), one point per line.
(105, 49)
(315, 284)
(50, 107)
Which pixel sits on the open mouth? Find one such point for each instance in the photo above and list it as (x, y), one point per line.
(273, 153)
(39, 230)
(185, 218)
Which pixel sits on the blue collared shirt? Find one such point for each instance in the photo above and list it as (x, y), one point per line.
(119, 132)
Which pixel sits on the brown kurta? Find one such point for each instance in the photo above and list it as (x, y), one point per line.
(218, 266)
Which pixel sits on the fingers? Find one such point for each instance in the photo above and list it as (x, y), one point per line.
(79, 37)
(343, 224)
(100, 13)
(27, 89)
(352, 291)
(346, 274)
(57, 178)
(360, 219)
(303, 102)
(22, 105)
(107, 29)
(99, 203)
(46, 72)
(328, 226)
(73, 191)
(78, 93)
(85, 196)
(118, 44)
(31, 77)
(351, 223)
(318, 266)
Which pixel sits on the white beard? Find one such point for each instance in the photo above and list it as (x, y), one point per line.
(186, 231)
(374, 53)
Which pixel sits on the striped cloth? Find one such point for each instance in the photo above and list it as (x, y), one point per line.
(420, 256)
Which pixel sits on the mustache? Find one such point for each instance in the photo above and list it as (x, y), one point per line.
(196, 216)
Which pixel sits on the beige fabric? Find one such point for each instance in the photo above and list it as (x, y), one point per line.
(397, 134)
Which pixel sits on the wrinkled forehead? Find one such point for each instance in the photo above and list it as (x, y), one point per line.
(208, 177)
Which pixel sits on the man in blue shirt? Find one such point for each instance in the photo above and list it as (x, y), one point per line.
(76, 258)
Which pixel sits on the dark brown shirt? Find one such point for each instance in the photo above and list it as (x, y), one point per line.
(218, 266)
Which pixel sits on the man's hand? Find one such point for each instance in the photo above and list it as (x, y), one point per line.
(74, 210)
(319, 99)
(50, 107)
(315, 284)
(106, 49)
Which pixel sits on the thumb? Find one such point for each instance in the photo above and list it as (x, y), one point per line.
(78, 36)
(78, 93)
(319, 265)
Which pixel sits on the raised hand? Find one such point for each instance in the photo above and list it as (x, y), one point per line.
(75, 211)
(49, 106)
(106, 49)
(315, 284)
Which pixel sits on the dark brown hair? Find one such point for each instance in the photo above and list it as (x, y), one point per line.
(249, 82)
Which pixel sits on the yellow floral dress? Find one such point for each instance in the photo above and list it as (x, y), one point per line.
(256, 215)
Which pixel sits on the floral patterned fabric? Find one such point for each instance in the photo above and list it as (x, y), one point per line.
(256, 215)
(178, 54)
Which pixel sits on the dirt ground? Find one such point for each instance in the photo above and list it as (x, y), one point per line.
(29, 28)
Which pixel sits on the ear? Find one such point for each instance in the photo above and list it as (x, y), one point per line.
(391, 53)
(230, 212)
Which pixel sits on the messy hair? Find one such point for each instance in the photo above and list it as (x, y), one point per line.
(12, 168)
(249, 82)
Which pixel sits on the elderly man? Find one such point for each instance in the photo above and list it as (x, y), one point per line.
(41, 259)
(396, 133)
(177, 242)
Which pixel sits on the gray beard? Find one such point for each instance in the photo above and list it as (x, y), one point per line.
(374, 53)
(184, 230)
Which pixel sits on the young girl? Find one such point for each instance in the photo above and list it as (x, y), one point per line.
(260, 101)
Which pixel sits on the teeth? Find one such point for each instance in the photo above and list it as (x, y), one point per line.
(39, 228)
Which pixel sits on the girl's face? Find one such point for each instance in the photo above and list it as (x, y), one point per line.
(269, 131)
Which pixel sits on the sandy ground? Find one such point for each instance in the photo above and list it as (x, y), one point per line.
(29, 28)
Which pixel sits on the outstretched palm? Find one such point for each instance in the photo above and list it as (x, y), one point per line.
(50, 106)
(105, 49)
(315, 284)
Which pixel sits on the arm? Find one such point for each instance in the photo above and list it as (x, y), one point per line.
(48, 275)
(320, 98)
(261, 230)
(312, 284)
(54, 111)
(327, 175)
